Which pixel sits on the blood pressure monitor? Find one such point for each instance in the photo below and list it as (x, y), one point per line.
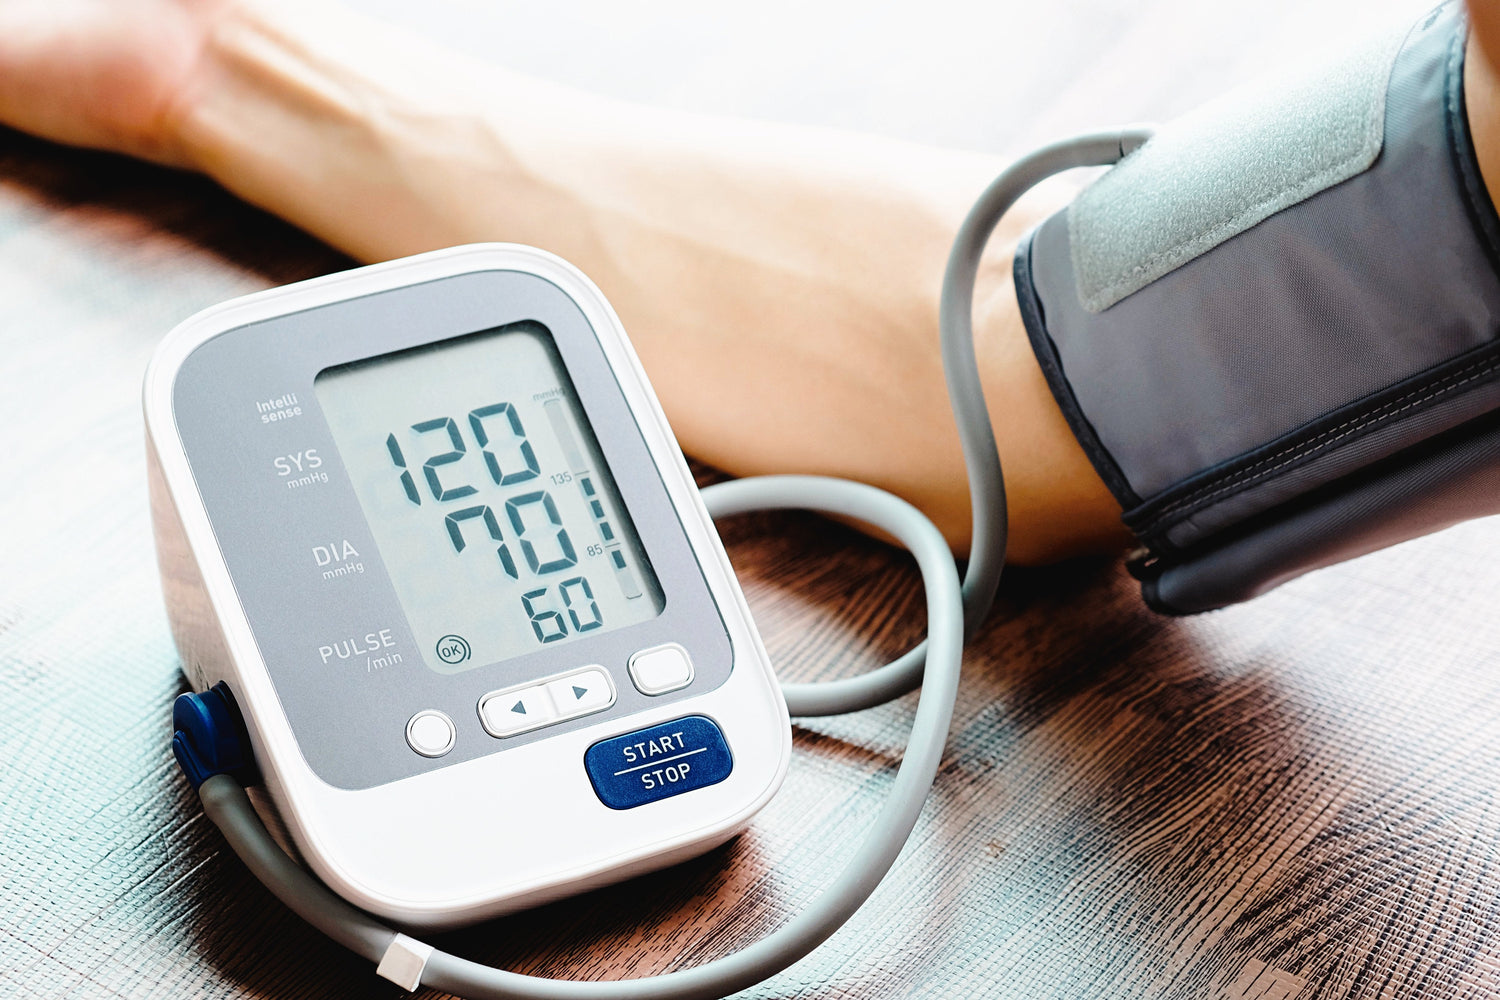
(431, 552)
(427, 522)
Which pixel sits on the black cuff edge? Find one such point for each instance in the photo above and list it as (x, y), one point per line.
(1480, 207)
(1151, 595)
(1391, 467)
(1047, 359)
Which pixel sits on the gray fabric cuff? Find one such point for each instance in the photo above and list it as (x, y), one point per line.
(1282, 349)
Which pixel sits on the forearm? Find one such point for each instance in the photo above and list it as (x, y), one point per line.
(780, 283)
(1482, 96)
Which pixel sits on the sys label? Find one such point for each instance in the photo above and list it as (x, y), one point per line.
(659, 762)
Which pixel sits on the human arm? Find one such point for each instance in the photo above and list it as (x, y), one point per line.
(780, 283)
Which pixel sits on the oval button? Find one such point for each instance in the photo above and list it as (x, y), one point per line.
(658, 762)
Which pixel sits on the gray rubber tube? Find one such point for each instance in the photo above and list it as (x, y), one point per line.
(226, 803)
(230, 808)
(956, 322)
(949, 607)
(970, 414)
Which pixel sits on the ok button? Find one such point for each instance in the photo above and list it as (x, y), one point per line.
(659, 762)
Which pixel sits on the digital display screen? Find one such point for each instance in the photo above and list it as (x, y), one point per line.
(488, 496)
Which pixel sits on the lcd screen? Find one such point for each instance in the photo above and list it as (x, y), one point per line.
(488, 496)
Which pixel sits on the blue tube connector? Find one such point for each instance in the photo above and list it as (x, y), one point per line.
(209, 737)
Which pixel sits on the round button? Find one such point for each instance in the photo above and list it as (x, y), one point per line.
(430, 733)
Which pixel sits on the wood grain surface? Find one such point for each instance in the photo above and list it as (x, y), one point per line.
(1292, 799)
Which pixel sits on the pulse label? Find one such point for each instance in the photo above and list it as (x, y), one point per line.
(374, 650)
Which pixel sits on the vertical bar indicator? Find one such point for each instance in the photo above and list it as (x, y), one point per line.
(625, 575)
(564, 433)
(630, 586)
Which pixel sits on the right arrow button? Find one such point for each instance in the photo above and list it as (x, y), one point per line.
(583, 693)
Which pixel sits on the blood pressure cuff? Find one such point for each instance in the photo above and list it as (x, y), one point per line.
(1274, 326)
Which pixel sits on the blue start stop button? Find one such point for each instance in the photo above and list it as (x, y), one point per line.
(659, 762)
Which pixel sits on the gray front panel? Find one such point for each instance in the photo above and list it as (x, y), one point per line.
(276, 491)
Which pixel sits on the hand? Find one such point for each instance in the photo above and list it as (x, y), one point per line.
(105, 74)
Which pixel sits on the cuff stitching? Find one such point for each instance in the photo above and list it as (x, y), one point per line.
(1333, 435)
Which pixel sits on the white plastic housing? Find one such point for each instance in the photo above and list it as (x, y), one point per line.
(499, 833)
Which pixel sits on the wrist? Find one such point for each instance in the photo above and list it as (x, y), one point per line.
(180, 133)
(343, 126)
(264, 96)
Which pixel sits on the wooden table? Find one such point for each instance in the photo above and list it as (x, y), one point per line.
(1296, 798)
